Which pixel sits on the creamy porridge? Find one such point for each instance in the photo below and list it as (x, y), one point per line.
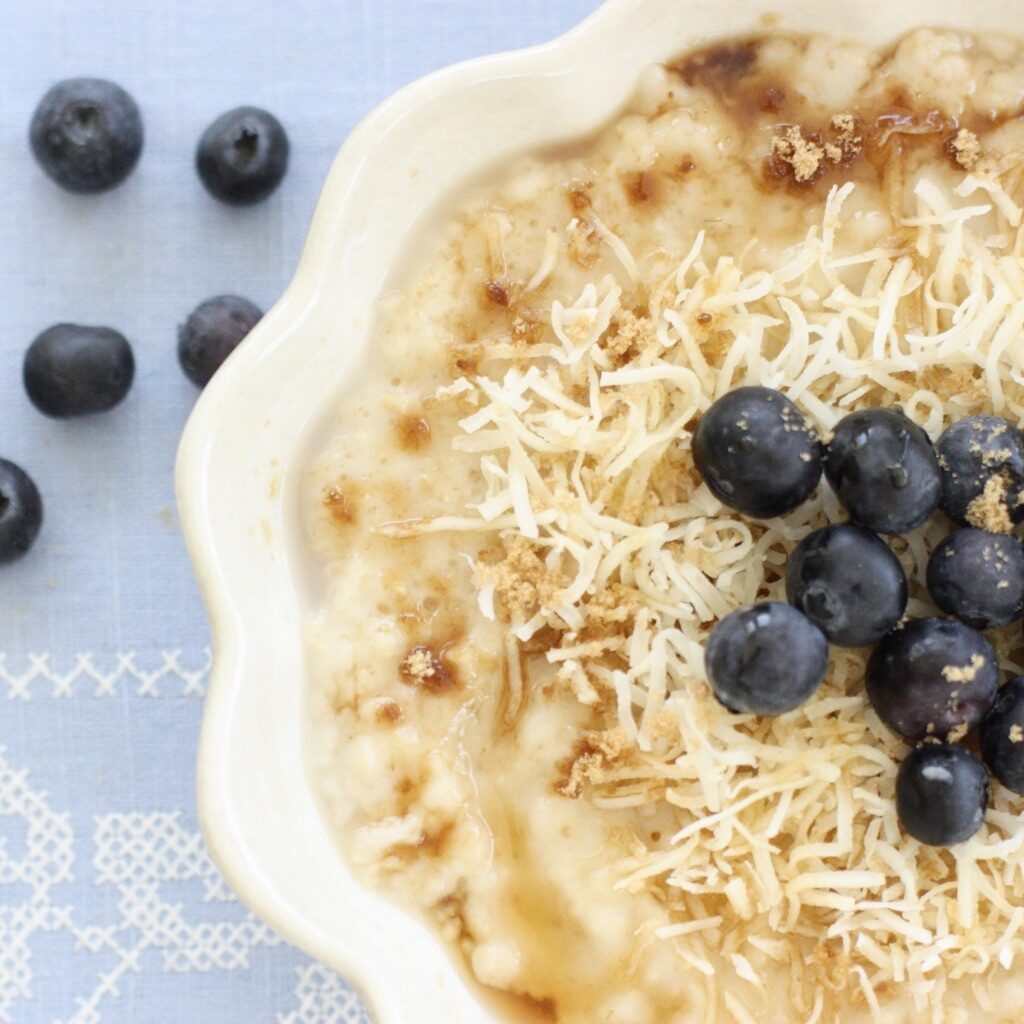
(512, 730)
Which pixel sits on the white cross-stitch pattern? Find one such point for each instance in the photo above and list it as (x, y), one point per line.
(134, 919)
(46, 860)
(323, 999)
(90, 675)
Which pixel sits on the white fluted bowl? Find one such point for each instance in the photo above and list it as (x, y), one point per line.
(245, 448)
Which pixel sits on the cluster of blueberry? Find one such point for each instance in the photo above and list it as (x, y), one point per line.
(87, 135)
(934, 681)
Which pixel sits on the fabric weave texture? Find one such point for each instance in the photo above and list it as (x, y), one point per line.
(111, 912)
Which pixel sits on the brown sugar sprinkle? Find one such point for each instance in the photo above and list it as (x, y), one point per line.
(338, 504)
(988, 510)
(632, 335)
(964, 673)
(964, 149)
(1016, 734)
(594, 754)
(413, 432)
(615, 605)
(528, 326)
(685, 166)
(425, 668)
(703, 319)
(803, 156)
(957, 733)
(848, 140)
(957, 382)
(846, 125)
(522, 580)
(497, 293)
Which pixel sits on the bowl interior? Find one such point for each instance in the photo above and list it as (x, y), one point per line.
(244, 451)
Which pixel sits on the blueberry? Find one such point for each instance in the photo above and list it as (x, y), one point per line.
(766, 659)
(757, 453)
(941, 794)
(848, 583)
(243, 156)
(883, 469)
(973, 452)
(1002, 736)
(211, 333)
(71, 370)
(979, 577)
(933, 678)
(87, 134)
(21, 512)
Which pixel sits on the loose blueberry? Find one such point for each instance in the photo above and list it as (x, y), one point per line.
(211, 333)
(71, 370)
(941, 794)
(87, 134)
(757, 453)
(766, 659)
(883, 469)
(934, 678)
(21, 512)
(977, 453)
(243, 156)
(979, 577)
(1002, 736)
(848, 583)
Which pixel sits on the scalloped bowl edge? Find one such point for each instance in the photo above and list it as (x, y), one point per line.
(239, 469)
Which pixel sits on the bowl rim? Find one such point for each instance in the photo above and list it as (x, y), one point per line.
(192, 479)
(193, 483)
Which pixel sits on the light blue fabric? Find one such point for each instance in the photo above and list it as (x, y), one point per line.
(110, 911)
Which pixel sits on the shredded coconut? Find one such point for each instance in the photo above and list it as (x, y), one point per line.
(786, 827)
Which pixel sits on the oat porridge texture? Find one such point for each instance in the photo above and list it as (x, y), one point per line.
(510, 726)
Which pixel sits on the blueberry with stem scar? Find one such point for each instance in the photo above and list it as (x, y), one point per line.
(848, 583)
(242, 156)
(87, 134)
